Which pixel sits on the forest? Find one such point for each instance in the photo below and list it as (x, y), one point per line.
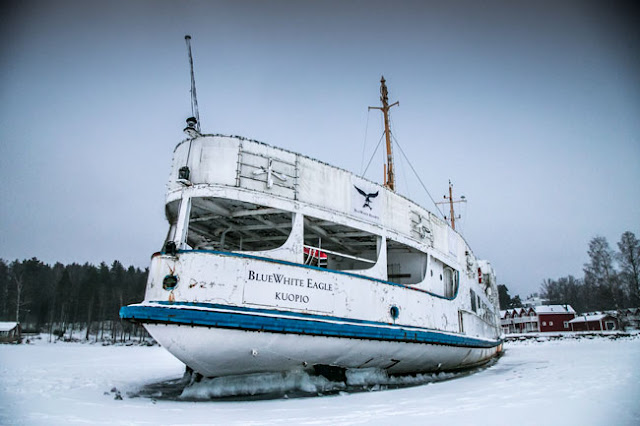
(611, 280)
(71, 301)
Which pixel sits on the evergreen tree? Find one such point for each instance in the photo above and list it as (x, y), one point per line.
(64, 301)
(4, 289)
(515, 302)
(503, 296)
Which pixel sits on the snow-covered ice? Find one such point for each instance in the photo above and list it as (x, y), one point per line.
(585, 382)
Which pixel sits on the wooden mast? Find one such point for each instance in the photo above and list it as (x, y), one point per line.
(451, 212)
(451, 201)
(390, 181)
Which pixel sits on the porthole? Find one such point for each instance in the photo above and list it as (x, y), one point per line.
(169, 282)
(394, 312)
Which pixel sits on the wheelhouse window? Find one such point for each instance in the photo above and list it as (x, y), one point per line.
(232, 225)
(340, 247)
(171, 211)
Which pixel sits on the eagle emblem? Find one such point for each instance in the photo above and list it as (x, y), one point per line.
(367, 197)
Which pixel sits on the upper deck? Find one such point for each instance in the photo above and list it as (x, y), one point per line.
(298, 181)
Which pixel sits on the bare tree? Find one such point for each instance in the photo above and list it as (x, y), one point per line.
(17, 273)
(600, 276)
(629, 261)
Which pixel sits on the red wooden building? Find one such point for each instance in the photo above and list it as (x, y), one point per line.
(555, 317)
(537, 319)
(594, 322)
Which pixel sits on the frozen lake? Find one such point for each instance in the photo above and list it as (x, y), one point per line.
(586, 382)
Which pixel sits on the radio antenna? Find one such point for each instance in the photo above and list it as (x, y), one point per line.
(194, 97)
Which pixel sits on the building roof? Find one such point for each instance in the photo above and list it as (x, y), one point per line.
(7, 326)
(554, 309)
(590, 318)
(534, 301)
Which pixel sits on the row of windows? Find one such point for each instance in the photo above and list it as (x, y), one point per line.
(478, 305)
(232, 225)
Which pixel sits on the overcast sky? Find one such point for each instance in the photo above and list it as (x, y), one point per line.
(532, 109)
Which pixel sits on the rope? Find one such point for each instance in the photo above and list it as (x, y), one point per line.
(416, 173)
(404, 176)
(373, 155)
(364, 145)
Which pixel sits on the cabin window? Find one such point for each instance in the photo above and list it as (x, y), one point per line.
(444, 282)
(230, 225)
(473, 301)
(405, 264)
(450, 282)
(339, 247)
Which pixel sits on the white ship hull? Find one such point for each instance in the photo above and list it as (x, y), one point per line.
(243, 314)
(218, 351)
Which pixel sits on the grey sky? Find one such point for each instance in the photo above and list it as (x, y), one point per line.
(532, 110)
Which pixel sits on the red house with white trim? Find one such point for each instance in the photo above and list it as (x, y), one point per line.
(554, 317)
(537, 319)
(594, 322)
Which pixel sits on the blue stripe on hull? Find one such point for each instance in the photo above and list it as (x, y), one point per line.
(222, 316)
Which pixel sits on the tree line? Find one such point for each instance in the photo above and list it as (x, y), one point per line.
(83, 301)
(611, 280)
(71, 301)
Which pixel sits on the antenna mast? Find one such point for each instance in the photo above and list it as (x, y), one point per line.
(451, 201)
(194, 97)
(390, 180)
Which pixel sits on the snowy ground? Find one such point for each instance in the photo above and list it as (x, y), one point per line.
(585, 382)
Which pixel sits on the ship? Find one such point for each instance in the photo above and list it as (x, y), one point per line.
(275, 261)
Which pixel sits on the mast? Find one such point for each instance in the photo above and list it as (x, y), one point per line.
(451, 201)
(390, 181)
(194, 98)
(451, 212)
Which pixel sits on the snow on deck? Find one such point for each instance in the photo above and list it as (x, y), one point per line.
(586, 381)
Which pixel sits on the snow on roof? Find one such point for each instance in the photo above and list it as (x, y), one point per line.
(7, 326)
(589, 318)
(554, 309)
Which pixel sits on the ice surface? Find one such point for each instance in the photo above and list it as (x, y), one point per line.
(586, 382)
